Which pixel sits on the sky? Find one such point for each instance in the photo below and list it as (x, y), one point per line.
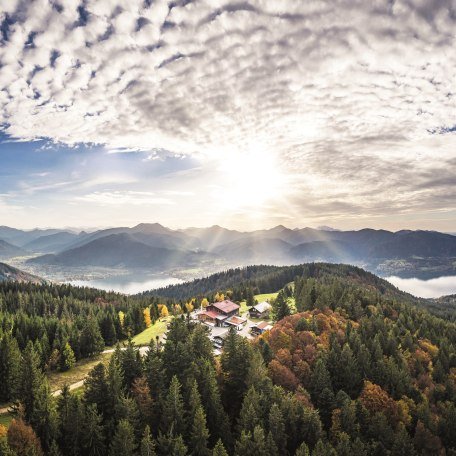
(245, 114)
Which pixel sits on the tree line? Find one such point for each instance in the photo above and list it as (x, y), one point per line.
(63, 324)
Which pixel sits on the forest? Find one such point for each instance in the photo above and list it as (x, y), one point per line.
(358, 369)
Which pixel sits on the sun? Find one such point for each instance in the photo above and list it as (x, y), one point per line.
(250, 178)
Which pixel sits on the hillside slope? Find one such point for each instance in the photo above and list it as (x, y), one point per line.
(51, 243)
(8, 250)
(118, 250)
(9, 273)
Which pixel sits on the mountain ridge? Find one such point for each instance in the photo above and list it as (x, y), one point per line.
(278, 245)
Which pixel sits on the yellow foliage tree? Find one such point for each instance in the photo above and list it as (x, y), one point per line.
(121, 318)
(3, 431)
(147, 320)
(204, 302)
(219, 297)
(164, 311)
(189, 306)
(177, 309)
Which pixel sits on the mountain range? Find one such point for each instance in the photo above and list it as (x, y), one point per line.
(154, 246)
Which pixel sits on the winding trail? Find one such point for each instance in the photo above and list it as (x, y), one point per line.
(78, 384)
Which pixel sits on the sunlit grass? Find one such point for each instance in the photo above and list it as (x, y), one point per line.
(80, 370)
(266, 297)
(157, 329)
(6, 419)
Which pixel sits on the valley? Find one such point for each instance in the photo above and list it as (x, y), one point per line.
(147, 256)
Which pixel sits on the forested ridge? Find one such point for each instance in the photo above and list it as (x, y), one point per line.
(268, 279)
(355, 371)
(61, 324)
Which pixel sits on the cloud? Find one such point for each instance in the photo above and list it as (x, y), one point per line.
(356, 98)
(121, 198)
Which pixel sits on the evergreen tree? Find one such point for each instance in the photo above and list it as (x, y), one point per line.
(67, 358)
(123, 441)
(326, 404)
(251, 444)
(277, 428)
(313, 297)
(173, 418)
(92, 437)
(199, 434)
(108, 330)
(219, 449)
(250, 297)
(5, 449)
(30, 381)
(323, 449)
(303, 450)
(131, 364)
(280, 308)
(147, 447)
(321, 379)
(10, 367)
(349, 376)
(171, 445)
(91, 342)
(217, 419)
(115, 387)
(44, 419)
(54, 449)
(403, 444)
(250, 415)
(96, 389)
(70, 417)
(235, 362)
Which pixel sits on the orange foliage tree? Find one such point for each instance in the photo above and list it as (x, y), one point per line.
(147, 320)
(23, 440)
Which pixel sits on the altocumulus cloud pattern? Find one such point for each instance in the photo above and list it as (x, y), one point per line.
(356, 98)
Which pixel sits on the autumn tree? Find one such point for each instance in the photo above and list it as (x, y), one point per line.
(164, 311)
(147, 319)
(23, 440)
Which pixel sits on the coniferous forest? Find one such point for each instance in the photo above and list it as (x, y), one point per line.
(358, 369)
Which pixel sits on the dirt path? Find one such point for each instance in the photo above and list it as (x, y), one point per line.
(78, 384)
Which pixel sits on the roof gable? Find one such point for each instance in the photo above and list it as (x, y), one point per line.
(225, 306)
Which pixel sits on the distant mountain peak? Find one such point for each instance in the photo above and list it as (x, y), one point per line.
(151, 228)
(279, 228)
(149, 225)
(327, 228)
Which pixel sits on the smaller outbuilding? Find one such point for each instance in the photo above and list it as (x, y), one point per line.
(261, 310)
(219, 339)
(237, 322)
(260, 328)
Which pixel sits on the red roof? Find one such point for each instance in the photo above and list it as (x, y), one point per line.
(236, 320)
(263, 325)
(210, 313)
(226, 306)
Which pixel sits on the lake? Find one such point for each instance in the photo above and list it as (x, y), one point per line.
(128, 284)
(432, 288)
